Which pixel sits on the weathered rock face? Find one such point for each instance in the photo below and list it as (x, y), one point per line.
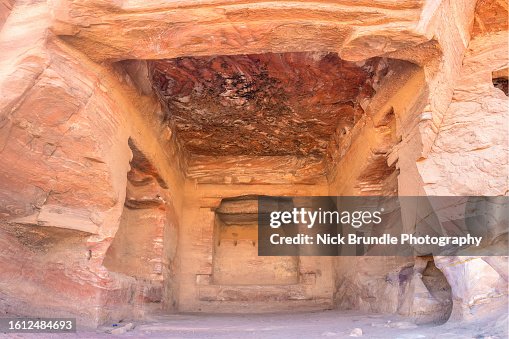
(64, 124)
(490, 17)
(5, 10)
(132, 133)
(161, 30)
(263, 104)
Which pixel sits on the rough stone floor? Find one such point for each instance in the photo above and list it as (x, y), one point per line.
(326, 324)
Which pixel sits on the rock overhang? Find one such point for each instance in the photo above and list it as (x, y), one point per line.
(272, 104)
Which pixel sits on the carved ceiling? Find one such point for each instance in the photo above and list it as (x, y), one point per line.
(262, 104)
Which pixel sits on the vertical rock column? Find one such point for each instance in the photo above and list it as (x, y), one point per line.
(65, 153)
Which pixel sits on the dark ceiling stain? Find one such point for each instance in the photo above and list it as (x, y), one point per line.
(262, 105)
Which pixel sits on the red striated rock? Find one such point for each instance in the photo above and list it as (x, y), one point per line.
(490, 17)
(295, 98)
(264, 104)
(357, 30)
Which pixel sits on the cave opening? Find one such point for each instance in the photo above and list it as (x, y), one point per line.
(500, 80)
(136, 137)
(240, 126)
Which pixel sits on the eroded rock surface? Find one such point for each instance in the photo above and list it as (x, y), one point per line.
(264, 104)
(124, 125)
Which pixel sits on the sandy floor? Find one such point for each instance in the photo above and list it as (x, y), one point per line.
(326, 324)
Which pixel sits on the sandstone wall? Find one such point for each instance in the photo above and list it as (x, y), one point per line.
(451, 132)
(78, 238)
(65, 128)
(470, 157)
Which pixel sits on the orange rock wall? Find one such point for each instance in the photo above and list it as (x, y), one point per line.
(90, 229)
